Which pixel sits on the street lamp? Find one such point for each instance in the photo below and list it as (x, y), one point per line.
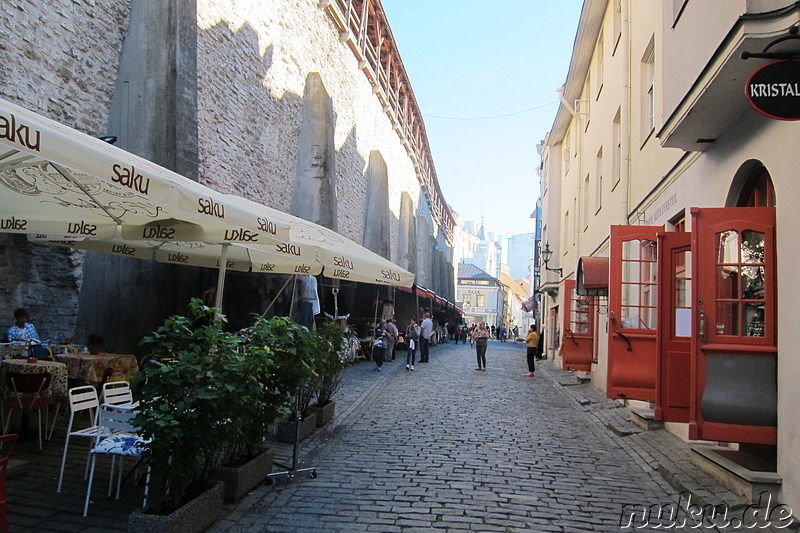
(547, 255)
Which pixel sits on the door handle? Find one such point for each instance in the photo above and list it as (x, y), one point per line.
(701, 334)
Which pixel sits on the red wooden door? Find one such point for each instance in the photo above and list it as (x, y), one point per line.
(734, 390)
(632, 304)
(674, 332)
(578, 341)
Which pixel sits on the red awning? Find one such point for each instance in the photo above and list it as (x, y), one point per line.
(592, 276)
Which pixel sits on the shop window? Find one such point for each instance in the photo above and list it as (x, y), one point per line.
(740, 283)
(578, 313)
(639, 291)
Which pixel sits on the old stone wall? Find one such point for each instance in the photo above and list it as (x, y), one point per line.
(252, 69)
(58, 58)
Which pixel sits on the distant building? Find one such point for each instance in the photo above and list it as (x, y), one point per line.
(521, 250)
(482, 295)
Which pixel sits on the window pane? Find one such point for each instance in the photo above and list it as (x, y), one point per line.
(753, 282)
(752, 247)
(630, 272)
(727, 318)
(727, 282)
(728, 247)
(630, 294)
(630, 250)
(649, 318)
(631, 318)
(683, 291)
(755, 320)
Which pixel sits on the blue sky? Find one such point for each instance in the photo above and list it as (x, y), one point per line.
(468, 59)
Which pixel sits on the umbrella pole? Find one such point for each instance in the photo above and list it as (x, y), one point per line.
(223, 263)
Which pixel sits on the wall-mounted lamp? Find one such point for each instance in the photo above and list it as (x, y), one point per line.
(547, 255)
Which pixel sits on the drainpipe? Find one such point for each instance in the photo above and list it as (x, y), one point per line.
(625, 114)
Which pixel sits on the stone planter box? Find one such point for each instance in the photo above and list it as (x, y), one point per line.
(239, 480)
(286, 429)
(324, 414)
(194, 517)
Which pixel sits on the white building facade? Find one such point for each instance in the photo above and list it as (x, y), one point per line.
(668, 202)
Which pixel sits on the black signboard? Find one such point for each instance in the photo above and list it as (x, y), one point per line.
(774, 90)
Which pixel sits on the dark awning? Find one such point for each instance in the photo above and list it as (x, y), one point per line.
(592, 276)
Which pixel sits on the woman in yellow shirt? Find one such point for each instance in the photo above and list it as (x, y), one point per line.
(531, 341)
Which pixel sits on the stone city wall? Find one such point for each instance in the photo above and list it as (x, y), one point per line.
(58, 58)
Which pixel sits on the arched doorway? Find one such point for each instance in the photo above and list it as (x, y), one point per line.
(734, 353)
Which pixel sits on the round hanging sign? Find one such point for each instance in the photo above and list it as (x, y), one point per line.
(774, 90)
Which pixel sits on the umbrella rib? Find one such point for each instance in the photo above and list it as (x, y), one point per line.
(64, 172)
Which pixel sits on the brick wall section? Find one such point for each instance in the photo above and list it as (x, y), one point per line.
(252, 68)
(58, 58)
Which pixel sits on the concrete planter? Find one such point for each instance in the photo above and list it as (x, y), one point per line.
(194, 517)
(285, 431)
(323, 414)
(239, 480)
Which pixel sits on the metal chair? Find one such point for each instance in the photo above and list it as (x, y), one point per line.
(29, 395)
(7, 446)
(80, 399)
(122, 440)
(117, 393)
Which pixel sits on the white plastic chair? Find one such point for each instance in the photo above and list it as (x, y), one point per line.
(123, 441)
(80, 399)
(117, 393)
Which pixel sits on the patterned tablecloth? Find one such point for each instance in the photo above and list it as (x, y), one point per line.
(90, 368)
(58, 387)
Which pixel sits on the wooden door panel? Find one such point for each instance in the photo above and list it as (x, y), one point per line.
(578, 336)
(633, 302)
(734, 354)
(674, 332)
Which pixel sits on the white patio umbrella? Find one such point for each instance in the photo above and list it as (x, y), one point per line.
(340, 257)
(55, 180)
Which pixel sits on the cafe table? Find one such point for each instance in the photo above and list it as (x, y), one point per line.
(90, 368)
(58, 371)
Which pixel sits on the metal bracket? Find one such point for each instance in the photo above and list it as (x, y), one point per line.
(765, 54)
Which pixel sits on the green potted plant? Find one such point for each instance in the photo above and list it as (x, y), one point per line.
(330, 361)
(270, 349)
(292, 349)
(191, 388)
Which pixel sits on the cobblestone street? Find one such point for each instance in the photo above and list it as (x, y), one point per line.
(449, 448)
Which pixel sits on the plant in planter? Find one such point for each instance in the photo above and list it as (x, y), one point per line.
(292, 348)
(331, 359)
(195, 382)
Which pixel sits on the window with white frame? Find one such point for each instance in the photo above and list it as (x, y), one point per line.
(616, 158)
(600, 65)
(565, 149)
(585, 209)
(598, 193)
(617, 24)
(648, 90)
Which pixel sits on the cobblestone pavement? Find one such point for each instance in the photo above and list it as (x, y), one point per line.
(448, 448)
(444, 448)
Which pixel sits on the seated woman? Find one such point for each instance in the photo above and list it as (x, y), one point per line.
(22, 330)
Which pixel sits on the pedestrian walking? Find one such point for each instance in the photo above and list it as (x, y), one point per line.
(379, 343)
(532, 343)
(426, 330)
(391, 337)
(481, 338)
(412, 339)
